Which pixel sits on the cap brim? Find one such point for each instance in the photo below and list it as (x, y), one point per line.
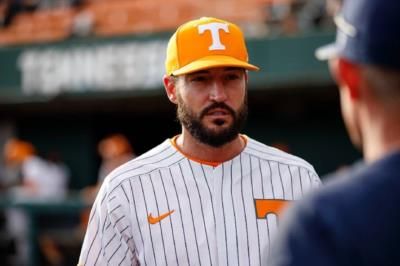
(214, 61)
(327, 52)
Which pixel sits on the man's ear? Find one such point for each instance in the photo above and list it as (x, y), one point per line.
(170, 88)
(349, 74)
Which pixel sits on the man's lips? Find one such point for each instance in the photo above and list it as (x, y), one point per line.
(218, 112)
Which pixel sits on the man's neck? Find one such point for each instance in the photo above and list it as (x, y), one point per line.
(382, 138)
(193, 148)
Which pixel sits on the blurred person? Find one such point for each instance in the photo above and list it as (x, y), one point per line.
(114, 151)
(40, 179)
(281, 17)
(312, 15)
(9, 176)
(333, 7)
(355, 219)
(84, 21)
(317, 14)
(209, 195)
(14, 7)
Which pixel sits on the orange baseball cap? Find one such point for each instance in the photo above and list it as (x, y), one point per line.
(16, 151)
(206, 43)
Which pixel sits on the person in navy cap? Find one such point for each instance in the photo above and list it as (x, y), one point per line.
(355, 219)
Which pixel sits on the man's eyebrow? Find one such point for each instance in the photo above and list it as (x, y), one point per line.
(205, 71)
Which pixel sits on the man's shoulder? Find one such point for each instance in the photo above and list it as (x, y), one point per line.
(339, 190)
(265, 152)
(355, 212)
(363, 181)
(358, 191)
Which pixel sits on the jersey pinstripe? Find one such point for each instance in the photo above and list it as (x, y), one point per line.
(199, 214)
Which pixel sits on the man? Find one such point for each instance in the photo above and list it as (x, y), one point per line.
(210, 195)
(114, 151)
(40, 179)
(355, 220)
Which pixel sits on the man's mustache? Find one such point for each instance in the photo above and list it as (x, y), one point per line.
(215, 106)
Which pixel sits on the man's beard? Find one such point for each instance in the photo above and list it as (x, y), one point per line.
(215, 138)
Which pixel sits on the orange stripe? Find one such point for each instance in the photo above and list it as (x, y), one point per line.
(210, 163)
(173, 142)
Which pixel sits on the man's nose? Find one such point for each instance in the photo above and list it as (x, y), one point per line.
(218, 92)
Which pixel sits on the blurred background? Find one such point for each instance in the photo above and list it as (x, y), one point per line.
(81, 92)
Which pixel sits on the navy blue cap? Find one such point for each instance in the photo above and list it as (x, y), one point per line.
(368, 32)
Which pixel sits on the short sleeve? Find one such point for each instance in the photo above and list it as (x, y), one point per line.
(108, 239)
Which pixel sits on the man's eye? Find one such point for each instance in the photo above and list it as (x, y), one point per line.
(199, 79)
(232, 77)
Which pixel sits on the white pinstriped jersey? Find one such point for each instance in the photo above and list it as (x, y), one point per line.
(199, 214)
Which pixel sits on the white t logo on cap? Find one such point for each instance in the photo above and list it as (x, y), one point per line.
(214, 29)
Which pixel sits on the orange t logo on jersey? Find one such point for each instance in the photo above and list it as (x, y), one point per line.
(154, 220)
(267, 206)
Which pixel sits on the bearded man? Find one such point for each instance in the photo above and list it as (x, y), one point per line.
(210, 195)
